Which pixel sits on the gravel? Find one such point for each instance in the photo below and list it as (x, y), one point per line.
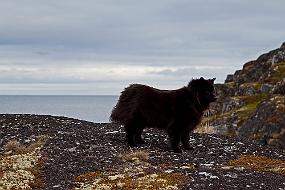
(75, 147)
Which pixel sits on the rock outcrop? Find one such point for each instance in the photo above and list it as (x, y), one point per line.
(267, 123)
(251, 101)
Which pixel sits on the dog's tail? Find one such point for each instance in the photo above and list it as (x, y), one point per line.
(125, 107)
(115, 116)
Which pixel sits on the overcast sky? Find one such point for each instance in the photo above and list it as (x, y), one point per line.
(101, 46)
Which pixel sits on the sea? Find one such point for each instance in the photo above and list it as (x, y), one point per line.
(90, 108)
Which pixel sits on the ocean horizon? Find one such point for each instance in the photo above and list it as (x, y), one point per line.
(94, 108)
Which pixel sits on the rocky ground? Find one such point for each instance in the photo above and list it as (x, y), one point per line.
(75, 154)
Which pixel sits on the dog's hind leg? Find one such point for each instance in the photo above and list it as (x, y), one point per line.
(138, 133)
(134, 128)
(130, 133)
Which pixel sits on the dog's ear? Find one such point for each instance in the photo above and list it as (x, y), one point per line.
(212, 80)
(202, 78)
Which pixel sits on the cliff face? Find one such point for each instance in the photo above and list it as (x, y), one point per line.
(251, 102)
(263, 69)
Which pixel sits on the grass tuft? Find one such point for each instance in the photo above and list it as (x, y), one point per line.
(135, 156)
(13, 147)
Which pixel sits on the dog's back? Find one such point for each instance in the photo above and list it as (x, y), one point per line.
(146, 102)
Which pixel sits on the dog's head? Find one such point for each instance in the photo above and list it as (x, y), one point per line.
(204, 88)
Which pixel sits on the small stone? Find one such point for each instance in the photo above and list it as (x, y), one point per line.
(168, 171)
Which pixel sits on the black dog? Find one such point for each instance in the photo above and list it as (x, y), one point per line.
(178, 111)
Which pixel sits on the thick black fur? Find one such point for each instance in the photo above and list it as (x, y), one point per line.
(177, 111)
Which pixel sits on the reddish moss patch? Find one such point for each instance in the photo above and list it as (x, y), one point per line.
(89, 176)
(258, 163)
(37, 183)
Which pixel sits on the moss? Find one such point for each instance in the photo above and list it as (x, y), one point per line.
(131, 175)
(37, 183)
(135, 156)
(250, 107)
(14, 147)
(279, 73)
(258, 163)
(20, 166)
(251, 103)
(253, 99)
(124, 181)
(230, 84)
(245, 113)
(151, 181)
(89, 176)
(255, 85)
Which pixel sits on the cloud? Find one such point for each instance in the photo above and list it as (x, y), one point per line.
(140, 25)
(163, 42)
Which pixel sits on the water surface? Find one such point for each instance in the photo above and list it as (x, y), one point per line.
(91, 108)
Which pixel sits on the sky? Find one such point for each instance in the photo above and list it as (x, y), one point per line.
(98, 47)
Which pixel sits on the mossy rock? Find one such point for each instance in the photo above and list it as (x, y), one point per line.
(278, 73)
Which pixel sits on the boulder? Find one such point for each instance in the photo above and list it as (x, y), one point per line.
(230, 78)
(267, 124)
(266, 88)
(279, 88)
